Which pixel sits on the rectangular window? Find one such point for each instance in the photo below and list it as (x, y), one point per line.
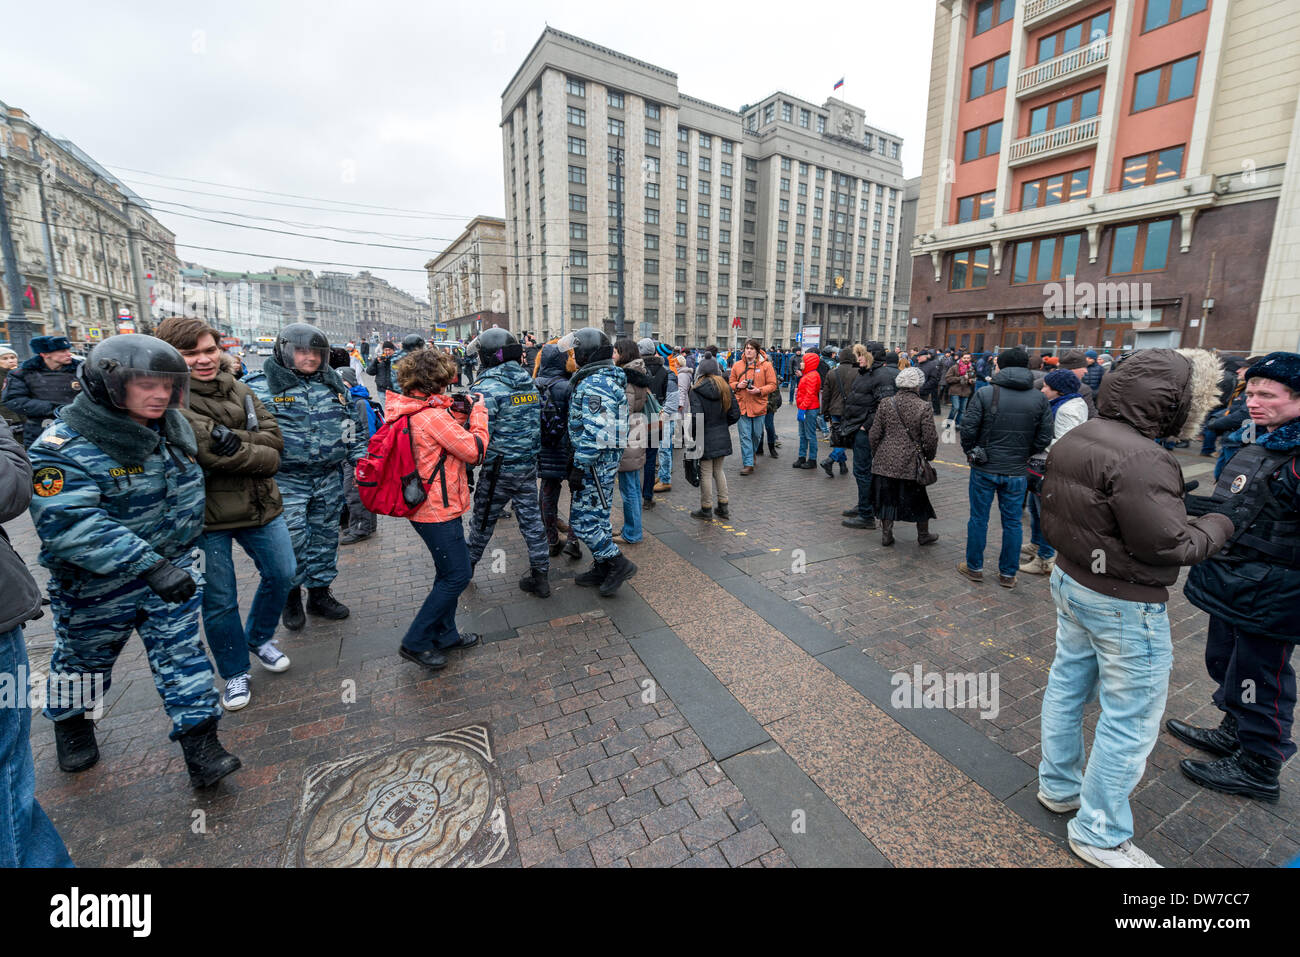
(615, 127)
(682, 207)
(578, 257)
(651, 111)
(578, 174)
(728, 148)
(726, 170)
(724, 191)
(1151, 168)
(702, 210)
(990, 13)
(787, 113)
(575, 87)
(1054, 189)
(785, 185)
(1162, 12)
(651, 190)
(651, 216)
(821, 124)
(706, 164)
(706, 141)
(703, 188)
(577, 146)
(651, 137)
(683, 135)
(651, 292)
(683, 158)
(982, 141)
(683, 182)
(970, 268)
(987, 78)
(1165, 84)
(578, 231)
(577, 203)
(805, 118)
(979, 206)
(681, 229)
(614, 99)
(578, 285)
(577, 117)
(769, 114)
(1141, 248)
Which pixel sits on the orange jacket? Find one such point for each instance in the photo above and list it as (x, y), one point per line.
(764, 380)
(436, 433)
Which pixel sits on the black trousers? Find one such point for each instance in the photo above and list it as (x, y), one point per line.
(1256, 686)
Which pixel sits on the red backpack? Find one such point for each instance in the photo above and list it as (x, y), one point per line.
(388, 480)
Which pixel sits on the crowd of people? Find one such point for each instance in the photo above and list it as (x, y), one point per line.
(145, 464)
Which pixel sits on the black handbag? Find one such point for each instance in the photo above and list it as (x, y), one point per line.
(691, 467)
(925, 473)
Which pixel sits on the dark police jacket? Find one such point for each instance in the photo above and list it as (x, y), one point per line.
(1254, 581)
(36, 391)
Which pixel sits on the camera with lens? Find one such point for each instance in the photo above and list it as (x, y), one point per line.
(461, 401)
(977, 456)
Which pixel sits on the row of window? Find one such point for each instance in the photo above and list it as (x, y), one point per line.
(1135, 248)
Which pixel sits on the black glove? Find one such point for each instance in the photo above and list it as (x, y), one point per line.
(173, 585)
(577, 479)
(224, 442)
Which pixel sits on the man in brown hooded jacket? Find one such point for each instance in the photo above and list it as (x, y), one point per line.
(1113, 508)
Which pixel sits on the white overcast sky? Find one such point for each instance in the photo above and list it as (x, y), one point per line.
(398, 104)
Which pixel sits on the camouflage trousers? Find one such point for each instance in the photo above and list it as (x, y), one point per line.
(90, 632)
(313, 502)
(521, 492)
(589, 510)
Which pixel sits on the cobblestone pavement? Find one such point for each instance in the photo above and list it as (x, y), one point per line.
(730, 707)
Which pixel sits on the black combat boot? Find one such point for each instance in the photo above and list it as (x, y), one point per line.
(1242, 772)
(704, 513)
(321, 602)
(829, 467)
(293, 617)
(844, 467)
(208, 762)
(594, 575)
(74, 739)
(573, 549)
(535, 583)
(1221, 740)
(617, 571)
(857, 521)
(923, 534)
(556, 549)
(722, 511)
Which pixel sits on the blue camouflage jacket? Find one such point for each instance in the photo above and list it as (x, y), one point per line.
(514, 416)
(598, 413)
(321, 427)
(105, 519)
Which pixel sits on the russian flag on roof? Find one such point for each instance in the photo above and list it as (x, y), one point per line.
(839, 84)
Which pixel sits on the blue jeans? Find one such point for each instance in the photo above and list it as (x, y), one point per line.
(751, 436)
(1045, 551)
(769, 422)
(666, 454)
(1121, 651)
(435, 623)
(808, 436)
(958, 407)
(272, 552)
(838, 455)
(862, 473)
(1010, 490)
(794, 384)
(629, 489)
(27, 837)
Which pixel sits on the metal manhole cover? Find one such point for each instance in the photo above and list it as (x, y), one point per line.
(437, 802)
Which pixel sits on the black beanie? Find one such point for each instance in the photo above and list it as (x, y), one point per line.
(1013, 358)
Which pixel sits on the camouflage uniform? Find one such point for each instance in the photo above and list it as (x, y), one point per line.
(102, 525)
(323, 434)
(515, 441)
(597, 419)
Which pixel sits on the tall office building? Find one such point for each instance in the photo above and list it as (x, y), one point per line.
(726, 214)
(1110, 174)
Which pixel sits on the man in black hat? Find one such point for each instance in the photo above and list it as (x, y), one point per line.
(1251, 589)
(42, 384)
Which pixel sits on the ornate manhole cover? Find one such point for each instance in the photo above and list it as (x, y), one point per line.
(437, 802)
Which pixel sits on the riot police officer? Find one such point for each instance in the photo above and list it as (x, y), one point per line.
(118, 504)
(597, 430)
(323, 434)
(1251, 589)
(509, 472)
(41, 385)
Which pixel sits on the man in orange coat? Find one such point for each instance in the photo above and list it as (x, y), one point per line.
(752, 380)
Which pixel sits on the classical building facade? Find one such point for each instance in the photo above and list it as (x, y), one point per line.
(381, 310)
(726, 214)
(108, 258)
(469, 281)
(1107, 174)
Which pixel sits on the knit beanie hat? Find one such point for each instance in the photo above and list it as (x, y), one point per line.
(1014, 358)
(646, 346)
(1062, 380)
(910, 378)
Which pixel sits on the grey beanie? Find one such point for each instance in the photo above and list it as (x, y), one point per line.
(646, 346)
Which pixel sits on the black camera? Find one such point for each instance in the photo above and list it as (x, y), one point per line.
(461, 402)
(977, 456)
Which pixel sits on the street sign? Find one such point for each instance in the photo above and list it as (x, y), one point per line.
(736, 322)
(812, 337)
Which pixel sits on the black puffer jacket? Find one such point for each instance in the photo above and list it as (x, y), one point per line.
(1021, 428)
(706, 400)
(864, 396)
(933, 373)
(553, 381)
(35, 390)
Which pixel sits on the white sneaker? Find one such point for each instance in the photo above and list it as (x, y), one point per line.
(1127, 854)
(1038, 565)
(1028, 551)
(272, 658)
(1060, 807)
(237, 693)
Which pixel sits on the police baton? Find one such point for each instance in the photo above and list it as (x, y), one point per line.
(600, 492)
(491, 491)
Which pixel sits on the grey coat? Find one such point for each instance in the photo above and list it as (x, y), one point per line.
(22, 599)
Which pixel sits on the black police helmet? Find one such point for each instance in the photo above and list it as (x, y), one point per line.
(119, 359)
(301, 335)
(412, 343)
(495, 346)
(588, 345)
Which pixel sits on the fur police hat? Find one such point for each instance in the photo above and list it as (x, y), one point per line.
(1283, 367)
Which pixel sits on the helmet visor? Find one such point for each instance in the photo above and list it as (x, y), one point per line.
(304, 358)
(145, 392)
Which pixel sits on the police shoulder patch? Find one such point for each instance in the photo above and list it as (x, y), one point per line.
(54, 440)
(47, 481)
(594, 403)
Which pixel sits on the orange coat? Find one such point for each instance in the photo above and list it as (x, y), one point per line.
(436, 432)
(764, 379)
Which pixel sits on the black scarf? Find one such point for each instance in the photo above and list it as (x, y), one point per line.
(120, 437)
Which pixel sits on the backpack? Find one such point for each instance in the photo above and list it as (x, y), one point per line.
(388, 480)
(555, 425)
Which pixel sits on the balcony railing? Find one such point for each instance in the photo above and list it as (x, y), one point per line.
(1039, 11)
(1068, 66)
(1063, 139)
